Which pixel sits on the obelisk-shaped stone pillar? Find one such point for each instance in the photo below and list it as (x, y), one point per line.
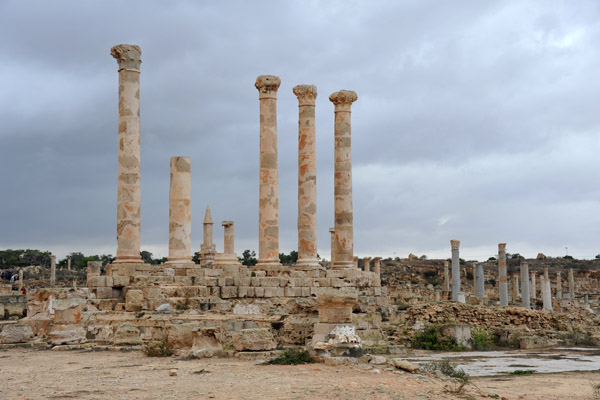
(52, 271)
(455, 244)
(367, 264)
(268, 208)
(128, 189)
(344, 220)
(332, 234)
(558, 286)
(307, 178)
(377, 265)
(446, 276)
(571, 284)
(180, 211)
(480, 292)
(533, 286)
(208, 249)
(547, 298)
(502, 275)
(525, 296)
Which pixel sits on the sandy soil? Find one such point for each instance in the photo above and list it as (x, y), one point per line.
(34, 374)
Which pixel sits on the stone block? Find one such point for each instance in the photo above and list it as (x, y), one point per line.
(108, 281)
(215, 291)
(211, 281)
(205, 342)
(179, 336)
(292, 292)
(245, 291)
(107, 304)
(274, 292)
(258, 339)
(242, 281)
(134, 300)
(212, 272)
(228, 292)
(70, 315)
(305, 292)
(127, 334)
(337, 282)
(186, 280)
(323, 282)
(120, 281)
(94, 268)
(15, 333)
(104, 293)
(259, 292)
(151, 292)
(96, 281)
(67, 334)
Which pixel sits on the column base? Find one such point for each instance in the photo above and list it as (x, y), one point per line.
(307, 265)
(222, 259)
(343, 265)
(267, 263)
(183, 260)
(128, 260)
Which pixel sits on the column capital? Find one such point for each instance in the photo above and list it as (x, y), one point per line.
(267, 86)
(331, 230)
(128, 56)
(307, 94)
(501, 247)
(227, 224)
(343, 99)
(455, 244)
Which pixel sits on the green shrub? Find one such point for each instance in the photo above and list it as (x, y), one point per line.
(291, 357)
(431, 338)
(579, 338)
(401, 305)
(448, 369)
(482, 340)
(522, 372)
(158, 349)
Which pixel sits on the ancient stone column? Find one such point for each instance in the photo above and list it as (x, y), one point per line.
(475, 278)
(332, 233)
(20, 278)
(515, 288)
(355, 260)
(525, 296)
(377, 265)
(558, 286)
(208, 248)
(547, 297)
(533, 288)
(69, 264)
(480, 291)
(229, 239)
(307, 178)
(571, 284)
(344, 220)
(128, 189)
(367, 264)
(446, 276)
(268, 209)
(228, 258)
(502, 275)
(455, 244)
(517, 282)
(180, 211)
(52, 271)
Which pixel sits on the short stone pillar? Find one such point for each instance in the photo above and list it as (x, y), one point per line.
(180, 211)
(502, 275)
(332, 234)
(228, 257)
(446, 276)
(208, 249)
(52, 271)
(307, 178)
(480, 291)
(128, 189)
(558, 286)
(455, 244)
(344, 220)
(533, 286)
(69, 263)
(377, 265)
(366, 264)
(525, 296)
(571, 284)
(268, 210)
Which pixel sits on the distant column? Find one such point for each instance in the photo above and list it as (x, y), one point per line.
(69, 264)
(20, 278)
(502, 275)
(515, 288)
(229, 238)
(547, 299)
(332, 234)
(480, 291)
(377, 265)
(446, 276)
(367, 264)
(525, 296)
(344, 220)
(571, 284)
(307, 178)
(268, 210)
(52, 271)
(533, 286)
(558, 286)
(475, 278)
(208, 248)
(455, 244)
(128, 189)
(180, 211)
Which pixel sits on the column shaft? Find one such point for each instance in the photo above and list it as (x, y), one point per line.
(480, 281)
(332, 234)
(571, 284)
(455, 244)
(533, 286)
(180, 211)
(525, 302)
(229, 239)
(52, 271)
(558, 286)
(502, 275)
(446, 276)
(377, 265)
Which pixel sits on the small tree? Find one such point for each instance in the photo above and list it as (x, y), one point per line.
(248, 258)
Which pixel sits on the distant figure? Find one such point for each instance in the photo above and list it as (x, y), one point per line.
(14, 278)
(23, 290)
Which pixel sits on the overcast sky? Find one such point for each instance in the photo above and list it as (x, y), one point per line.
(475, 120)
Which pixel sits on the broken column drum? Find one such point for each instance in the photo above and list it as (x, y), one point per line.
(344, 220)
(455, 244)
(525, 300)
(307, 177)
(480, 292)
(180, 211)
(128, 189)
(268, 209)
(502, 275)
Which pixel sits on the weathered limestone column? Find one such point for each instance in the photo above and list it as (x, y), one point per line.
(547, 298)
(128, 190)
(502, 275)
(517, 282)
(377, 265)
(20, 278)
(571, 284)
(475, 278)
(455, 244)
(228, 238)
(558, 286)
(525, 301)
(180, 211)
(208, 248)
(332, 233)
(268, 209)
(515, 288)
(446, 276)
(533, 288)
(52, 271)
(344, 220)
(307, 178)
(367, 264)
(228, 258)
(69, 264)
(480, 291)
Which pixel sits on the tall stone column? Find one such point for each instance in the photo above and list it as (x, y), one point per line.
(367, 264)
(332, 234)
(208, 248)
(480, 292)
(547, 298)
(128, 189)
(515, 288)
(475, 278)
(558, 286)
(344, 220)
(268, 209)
(502, 275)
(180, 211)
(571, 284)
(446, 276)
(533, 288)
(52, 271)
(377, 265)
(69, 264)
(455, 244)
(307, 178)
(525, 301)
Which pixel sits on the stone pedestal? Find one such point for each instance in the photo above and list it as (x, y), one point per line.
(344, 220)
(180, 211)
(480, 292)
(455, 244)
(307, 178)
(128, 190)
(502, 275)
(525, 296)
(208, 250)
(268, 209)
(52, 271)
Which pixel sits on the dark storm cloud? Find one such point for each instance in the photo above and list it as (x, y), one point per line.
(475, 120)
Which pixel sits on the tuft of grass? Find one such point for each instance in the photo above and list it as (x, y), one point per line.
(401, 306)
(522, 372)
(482, 340)
(449, 369)
(158, 349)
(431, 338)
(291, 357)
(596, 388)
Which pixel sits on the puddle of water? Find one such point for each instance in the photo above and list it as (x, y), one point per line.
(484, 363)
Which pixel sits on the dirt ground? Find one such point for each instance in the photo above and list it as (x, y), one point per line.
(78, 374)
